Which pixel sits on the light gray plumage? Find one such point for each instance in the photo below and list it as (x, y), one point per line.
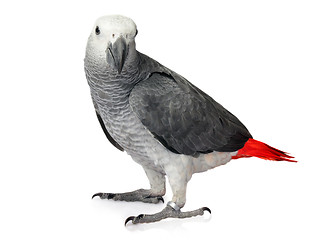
(162, 121)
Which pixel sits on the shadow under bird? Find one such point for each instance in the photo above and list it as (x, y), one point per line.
(165, 123)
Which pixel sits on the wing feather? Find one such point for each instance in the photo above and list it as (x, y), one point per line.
(184, 118)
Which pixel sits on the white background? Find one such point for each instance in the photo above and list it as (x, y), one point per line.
(262, 60)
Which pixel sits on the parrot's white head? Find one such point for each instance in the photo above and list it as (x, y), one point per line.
(112, 41)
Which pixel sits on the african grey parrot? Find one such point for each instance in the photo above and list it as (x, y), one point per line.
(165, 123)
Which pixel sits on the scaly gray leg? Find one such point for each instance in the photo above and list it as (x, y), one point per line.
(170, 211)
(141, 195)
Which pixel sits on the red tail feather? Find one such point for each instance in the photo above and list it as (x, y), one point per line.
(254, 148)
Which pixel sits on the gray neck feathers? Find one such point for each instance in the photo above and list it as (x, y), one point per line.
(105, 79)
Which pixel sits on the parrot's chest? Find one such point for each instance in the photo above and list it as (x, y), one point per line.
(124, 126)
(111, 101)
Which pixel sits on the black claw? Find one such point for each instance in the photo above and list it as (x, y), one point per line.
(161, 199)
(97, 195)
(104, 195)
(131, 218)
(206, 209)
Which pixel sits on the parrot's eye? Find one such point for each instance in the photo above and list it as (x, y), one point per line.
(97, 30)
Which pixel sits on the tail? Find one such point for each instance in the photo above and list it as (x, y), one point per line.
(254, 148)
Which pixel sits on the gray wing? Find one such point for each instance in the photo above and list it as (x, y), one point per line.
(185, 119)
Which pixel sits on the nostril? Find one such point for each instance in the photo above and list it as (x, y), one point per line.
(113, 35)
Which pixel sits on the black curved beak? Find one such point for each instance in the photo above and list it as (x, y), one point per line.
(116, 54)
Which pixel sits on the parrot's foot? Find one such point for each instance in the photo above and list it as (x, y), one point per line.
(170, 211)
(140, 195)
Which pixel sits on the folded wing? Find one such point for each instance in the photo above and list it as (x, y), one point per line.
(185, 119)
